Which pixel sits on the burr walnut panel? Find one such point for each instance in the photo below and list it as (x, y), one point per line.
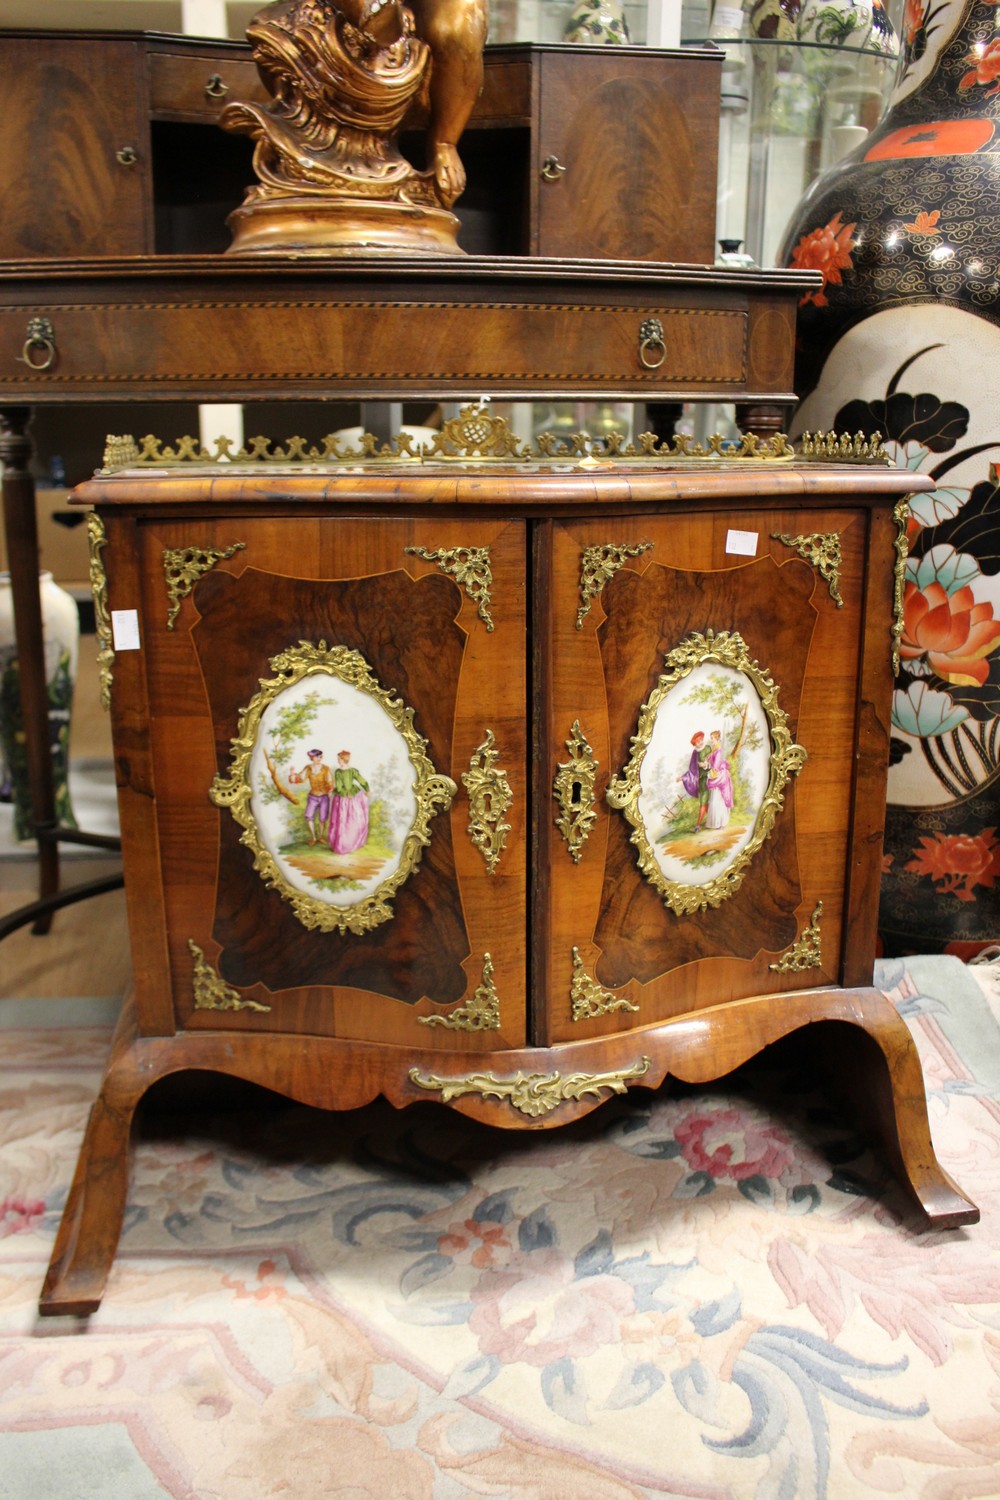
(429, 651)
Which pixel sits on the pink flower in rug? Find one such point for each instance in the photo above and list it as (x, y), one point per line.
(265, 1288)
(727, 1143)
(540, 1311)
(20, 1215)
(475, 1243)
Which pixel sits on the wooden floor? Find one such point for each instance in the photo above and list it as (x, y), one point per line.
(86, 950)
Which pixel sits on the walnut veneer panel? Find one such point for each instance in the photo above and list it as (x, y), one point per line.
(351, 584)
(601, 675)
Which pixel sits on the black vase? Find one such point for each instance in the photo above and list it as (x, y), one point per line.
(903, 338)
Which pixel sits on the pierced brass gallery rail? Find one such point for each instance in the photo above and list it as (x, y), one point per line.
(598, 565)
(574, 791)
(470, 567)
(806, 951)
(589, 999)
(482, 1013)
(532, 1094)
(98, 540)
(489, 798)
(213, 993)
(477, 436)
(183, 566)
(822, 550)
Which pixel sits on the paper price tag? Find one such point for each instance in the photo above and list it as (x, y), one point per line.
(125, 629)
(744, 543)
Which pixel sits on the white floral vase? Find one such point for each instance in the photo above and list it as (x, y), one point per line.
(597, 23)
(847, 23)
(61, 629)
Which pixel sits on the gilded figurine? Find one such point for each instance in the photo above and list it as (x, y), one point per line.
(343, 78)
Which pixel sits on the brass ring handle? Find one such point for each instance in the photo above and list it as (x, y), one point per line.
(651, 340)
(41, 336)
(215, 88)
(552, 169)
(128, 156)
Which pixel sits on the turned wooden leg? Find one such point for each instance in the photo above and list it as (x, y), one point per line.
(21, 528)
(763, 418)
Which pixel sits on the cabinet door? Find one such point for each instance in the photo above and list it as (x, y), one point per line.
(625, 155)
(70, 106)
(338, 754)
(694, 868)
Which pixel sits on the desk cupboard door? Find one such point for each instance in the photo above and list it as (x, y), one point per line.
(702, 700)
(75, 169)
(337, 722)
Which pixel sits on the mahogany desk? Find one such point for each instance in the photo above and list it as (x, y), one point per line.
(208, 328)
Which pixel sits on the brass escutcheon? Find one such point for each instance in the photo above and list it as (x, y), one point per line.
(41, 336)
(215, 88)
(651, 339)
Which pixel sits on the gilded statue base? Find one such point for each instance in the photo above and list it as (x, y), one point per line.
(342, 226)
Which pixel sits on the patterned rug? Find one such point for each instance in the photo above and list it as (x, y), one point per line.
(716, 1293)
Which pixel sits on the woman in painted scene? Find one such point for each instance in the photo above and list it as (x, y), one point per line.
(348, 807)
(720, 784)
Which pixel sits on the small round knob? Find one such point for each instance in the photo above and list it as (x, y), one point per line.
(128, 156)
(215, 88)
(552, 169)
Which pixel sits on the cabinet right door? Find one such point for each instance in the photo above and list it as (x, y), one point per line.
(700, 675)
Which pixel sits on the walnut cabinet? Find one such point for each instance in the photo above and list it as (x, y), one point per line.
(524, 665)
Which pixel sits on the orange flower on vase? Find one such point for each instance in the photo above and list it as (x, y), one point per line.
(956, 862)
(954, 632)
(913, 19)
(985, 69)
(827, 250)
(924, 223)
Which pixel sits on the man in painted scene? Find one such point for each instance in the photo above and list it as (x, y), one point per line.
(349, 807)
(695, 778)
(320, 780)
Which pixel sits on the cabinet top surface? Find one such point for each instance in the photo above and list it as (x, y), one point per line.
(508, 486)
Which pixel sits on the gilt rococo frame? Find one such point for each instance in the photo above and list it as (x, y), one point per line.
(432, 791)
(726, 649)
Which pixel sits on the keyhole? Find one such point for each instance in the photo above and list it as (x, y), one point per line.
(576, 795)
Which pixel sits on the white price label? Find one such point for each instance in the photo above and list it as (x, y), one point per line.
(125, 629)
(744, 543)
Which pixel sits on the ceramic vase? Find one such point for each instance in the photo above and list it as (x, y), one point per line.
(847, 23)
(597, 23)
(903, 337)
(61, 628)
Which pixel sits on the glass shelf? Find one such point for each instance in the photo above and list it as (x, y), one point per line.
(788, 111)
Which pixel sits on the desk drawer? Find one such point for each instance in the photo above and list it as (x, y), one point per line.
(199, 88)
(373, 346)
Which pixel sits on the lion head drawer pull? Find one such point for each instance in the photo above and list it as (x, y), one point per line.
(39, 352)
(652, 349)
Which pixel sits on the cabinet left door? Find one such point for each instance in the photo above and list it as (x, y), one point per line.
(75, 171)
(324, 832)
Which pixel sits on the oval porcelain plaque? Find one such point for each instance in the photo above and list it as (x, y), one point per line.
(710, 759)
(332, 787)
